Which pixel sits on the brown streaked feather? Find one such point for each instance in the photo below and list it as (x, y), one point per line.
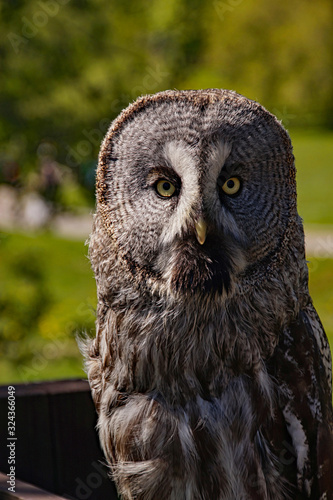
(305, 400)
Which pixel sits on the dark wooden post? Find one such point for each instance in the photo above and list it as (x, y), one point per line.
(57, 446)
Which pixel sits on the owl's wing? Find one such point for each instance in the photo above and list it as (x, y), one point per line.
(314, 324)
(302, 368)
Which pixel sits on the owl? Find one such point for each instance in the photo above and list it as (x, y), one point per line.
(210, 369)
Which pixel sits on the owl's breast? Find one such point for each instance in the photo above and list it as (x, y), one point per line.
(214, 448)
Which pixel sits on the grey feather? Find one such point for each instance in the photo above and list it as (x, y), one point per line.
(194, 370)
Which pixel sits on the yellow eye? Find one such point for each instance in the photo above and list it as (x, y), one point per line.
(231, 186)
(165, 188)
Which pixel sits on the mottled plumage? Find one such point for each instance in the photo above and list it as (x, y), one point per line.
(210, 370)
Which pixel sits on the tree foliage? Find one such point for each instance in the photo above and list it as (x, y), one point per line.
(69, 66)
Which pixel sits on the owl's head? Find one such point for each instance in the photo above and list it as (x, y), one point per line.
(195, 191)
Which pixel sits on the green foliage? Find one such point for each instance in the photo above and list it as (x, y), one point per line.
(71, 196)
(69, 66)
(24, 296)
(47, 297)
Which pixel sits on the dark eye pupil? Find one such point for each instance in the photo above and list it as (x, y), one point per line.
(230, 184)
(166, 186)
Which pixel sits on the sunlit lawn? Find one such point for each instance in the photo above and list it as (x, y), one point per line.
(48, 292)
(47, 296)
(313, 153)
(321, 290)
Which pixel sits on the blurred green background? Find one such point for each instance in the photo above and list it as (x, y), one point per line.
(67, 67)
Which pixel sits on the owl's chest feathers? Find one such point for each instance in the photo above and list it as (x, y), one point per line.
(206, 448)
(184, 382)
(190, 394)
(184, 351)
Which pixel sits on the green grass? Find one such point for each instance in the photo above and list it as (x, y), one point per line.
(320, 285)
(47, 296)
(314, 162)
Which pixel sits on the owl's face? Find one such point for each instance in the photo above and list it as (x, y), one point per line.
(197, 187)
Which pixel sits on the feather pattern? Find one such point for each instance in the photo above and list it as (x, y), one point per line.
(210, 369)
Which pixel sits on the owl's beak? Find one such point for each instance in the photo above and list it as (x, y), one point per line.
(201, 230)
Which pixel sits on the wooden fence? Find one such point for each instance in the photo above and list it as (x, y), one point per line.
(56, 446)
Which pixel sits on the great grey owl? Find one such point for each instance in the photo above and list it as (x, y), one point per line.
(210, 370)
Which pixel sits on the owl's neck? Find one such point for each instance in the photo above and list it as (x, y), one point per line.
(200, 341)
(149, 339)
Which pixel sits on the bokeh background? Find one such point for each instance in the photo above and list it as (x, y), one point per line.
(67, 67)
